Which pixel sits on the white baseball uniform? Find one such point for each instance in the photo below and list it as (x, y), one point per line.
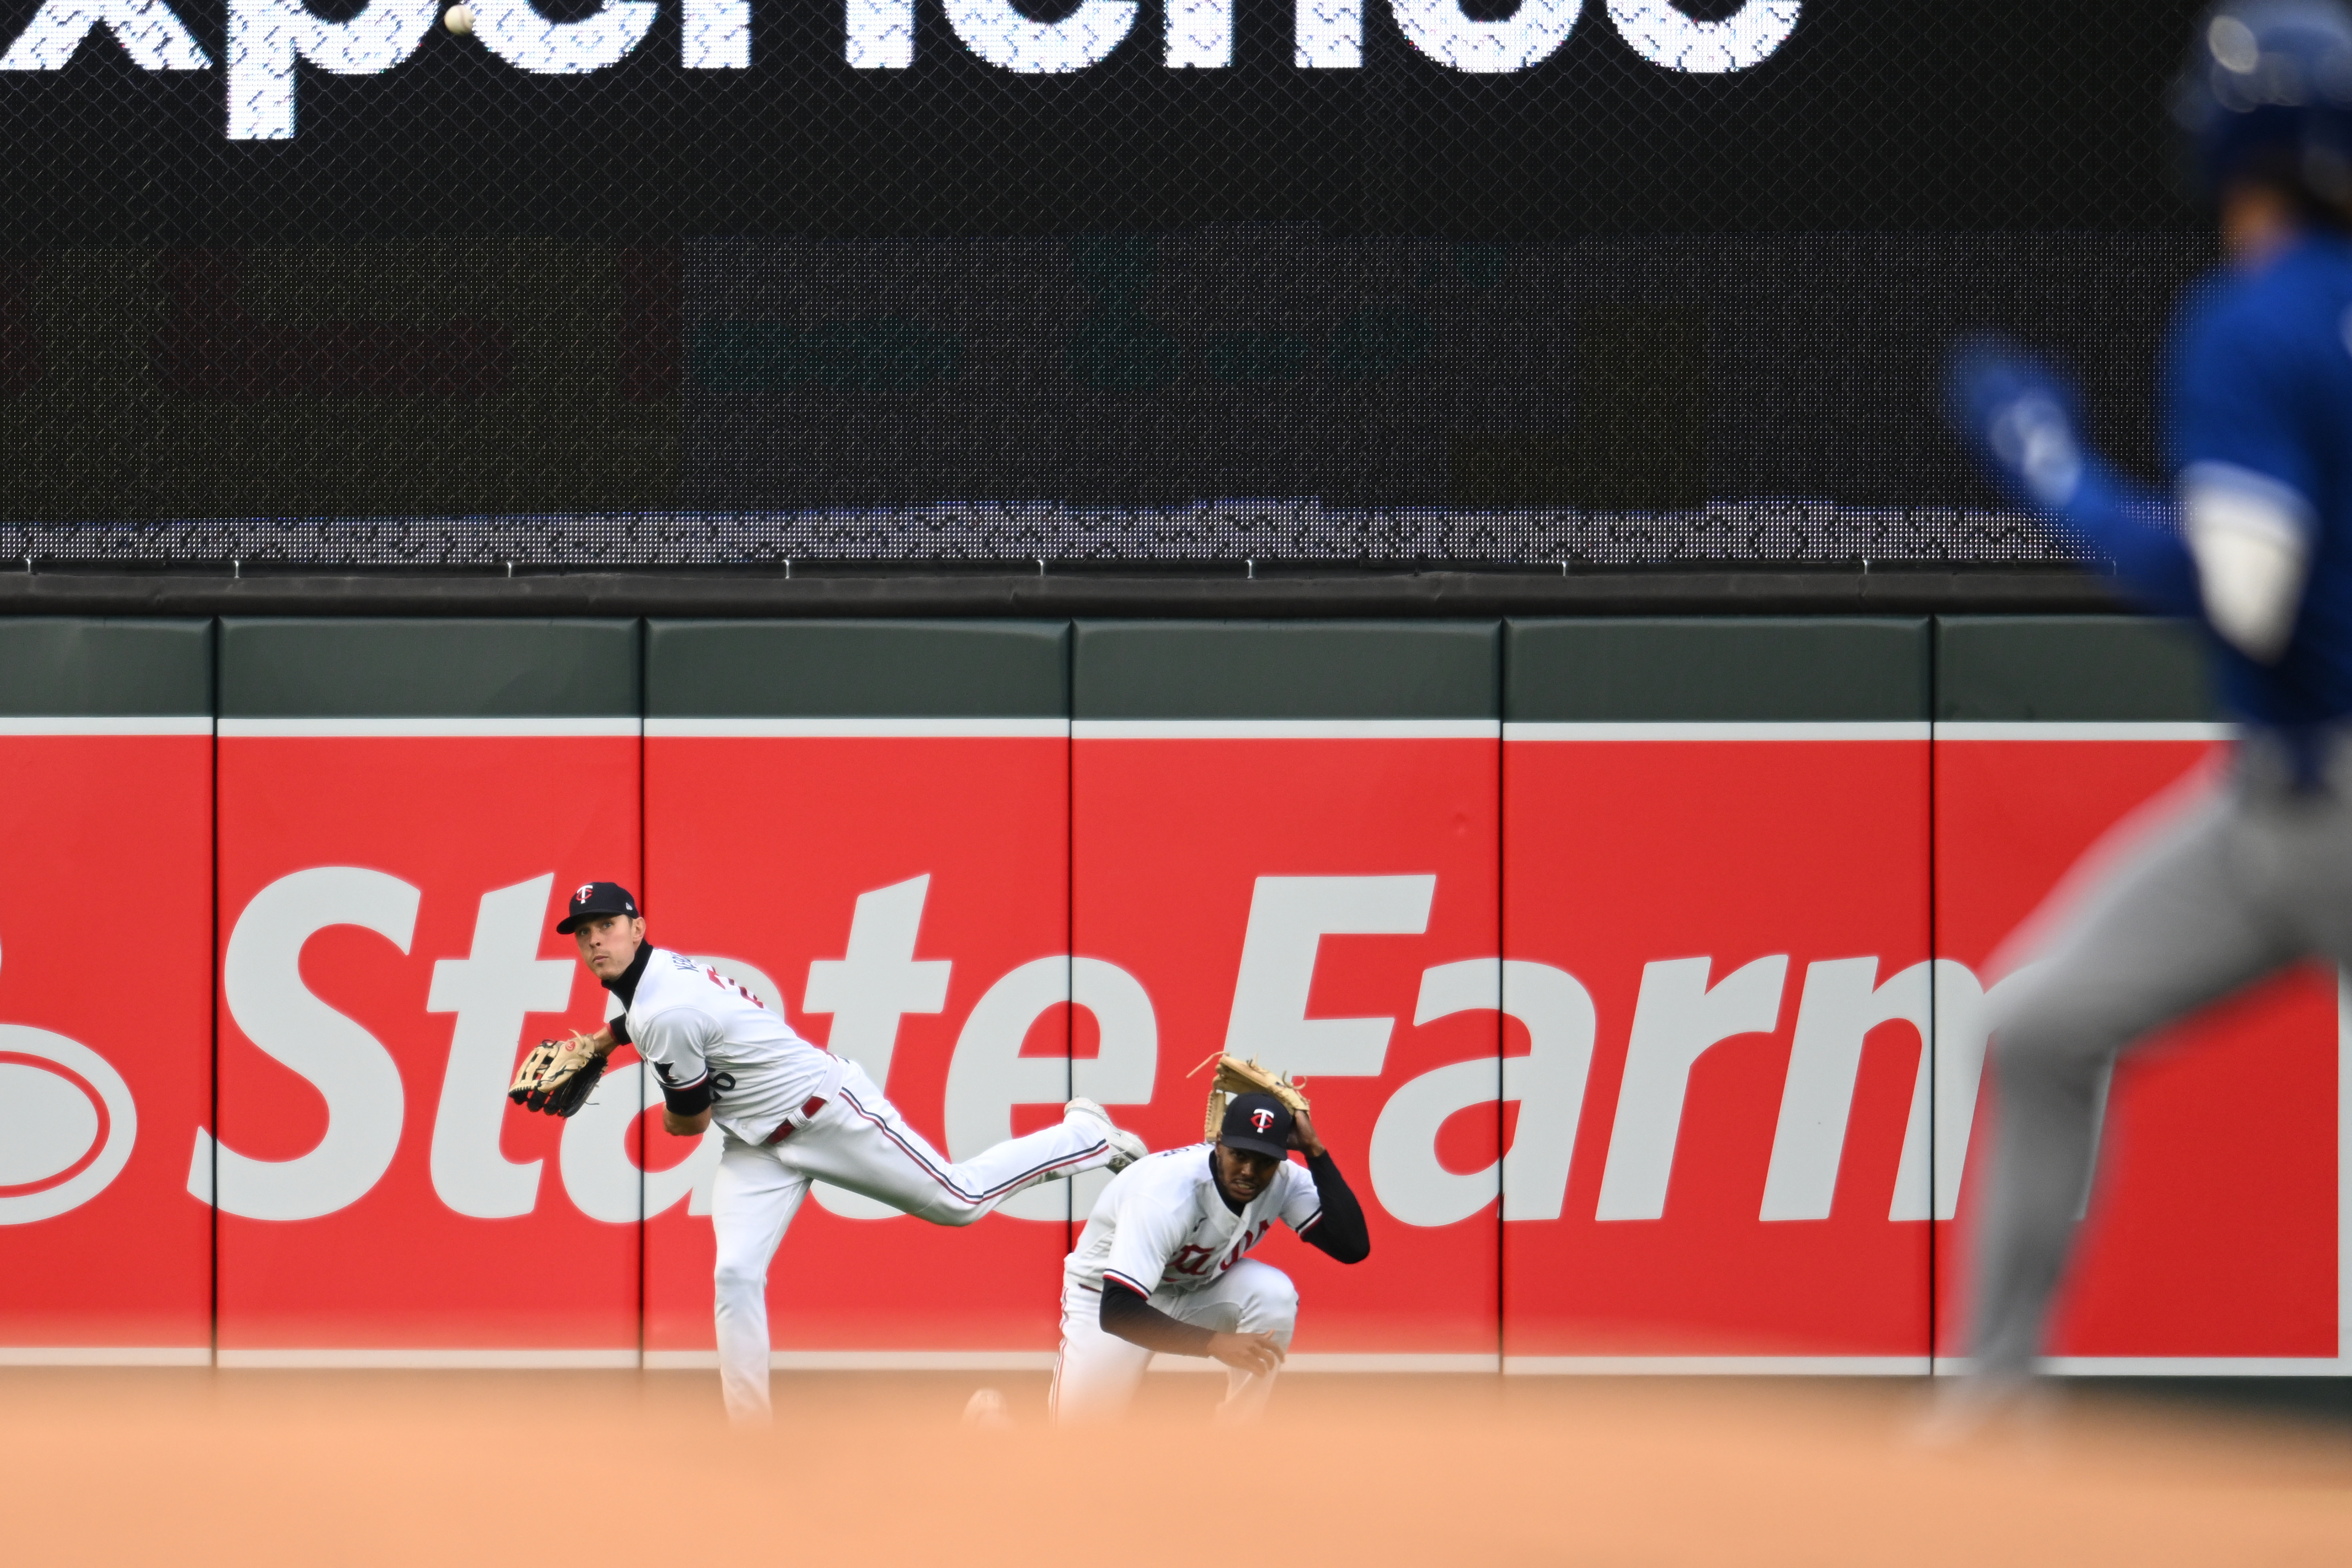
(1162, 1229)
(792, 1113)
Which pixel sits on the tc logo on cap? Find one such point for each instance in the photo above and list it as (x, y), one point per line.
(580, 895)
(1261, 1120)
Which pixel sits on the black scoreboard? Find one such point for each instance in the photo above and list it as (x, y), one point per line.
(336, 257)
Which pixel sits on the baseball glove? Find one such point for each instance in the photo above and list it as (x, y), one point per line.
(558, 1076)
(1236, 1076)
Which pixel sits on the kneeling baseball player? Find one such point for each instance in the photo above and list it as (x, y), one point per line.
(1161, 1267)
(792, 1112)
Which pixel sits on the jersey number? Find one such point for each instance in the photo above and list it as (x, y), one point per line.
(724, 984)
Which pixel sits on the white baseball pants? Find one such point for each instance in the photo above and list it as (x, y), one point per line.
(858, 1141)
(1097, 1374)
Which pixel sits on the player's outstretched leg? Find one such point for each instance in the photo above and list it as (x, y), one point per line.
(861, 1142)
(2177, 927)
(753, 1197)
(1126, 1148)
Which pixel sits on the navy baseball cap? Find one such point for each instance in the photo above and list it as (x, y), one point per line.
(590, 899)
(1258, 1123)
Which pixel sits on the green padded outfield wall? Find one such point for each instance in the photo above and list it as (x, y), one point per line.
(120, 668)
(2061, 737)
(867, 823)
(1282, 670)
(389, 668)
(1603, 944)
(405, 805)
(2060, 668)
(1716, 669)
(106, 1048)
(854, 669)
(1698, 815)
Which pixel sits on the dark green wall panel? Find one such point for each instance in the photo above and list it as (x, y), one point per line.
(882, 669)
(428, 669)
(1716, 669)
(1988, 668)
(57, 667)
(1292, 669)
(2085, 668)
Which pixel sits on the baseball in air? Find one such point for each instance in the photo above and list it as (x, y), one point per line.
(459, 19)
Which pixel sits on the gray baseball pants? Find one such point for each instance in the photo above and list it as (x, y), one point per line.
(2254, 878)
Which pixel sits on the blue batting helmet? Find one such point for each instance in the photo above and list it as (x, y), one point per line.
(2267, 93)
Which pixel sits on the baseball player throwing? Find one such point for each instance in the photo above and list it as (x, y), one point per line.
(2260, 406)
(1164, 1266)
(792, 1114)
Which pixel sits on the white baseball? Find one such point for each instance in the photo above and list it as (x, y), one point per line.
(459, 19)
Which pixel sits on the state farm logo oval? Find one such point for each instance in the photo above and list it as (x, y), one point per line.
(66, 1124)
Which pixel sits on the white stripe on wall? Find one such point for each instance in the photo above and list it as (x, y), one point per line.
(1916, 1366)
(1336, 1362)
(908, 1360)
(2084, 731)
(105, 1355)
(1874, 729)
(865, 1360)
(519, 1360)
(855, 728)
(1043, 1361)
(409, 728)
(1715, 1366)
(169, 724)
(2176, 1366)
(1284, 728)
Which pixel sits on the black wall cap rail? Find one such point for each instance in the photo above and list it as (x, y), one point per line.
(72, 591)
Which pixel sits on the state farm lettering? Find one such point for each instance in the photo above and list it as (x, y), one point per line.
(1685, 1008)
(268, 38)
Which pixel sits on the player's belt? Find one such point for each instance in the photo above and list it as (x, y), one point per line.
(809, 1107)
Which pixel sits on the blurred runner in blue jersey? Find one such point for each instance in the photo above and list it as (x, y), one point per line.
(2257, 544)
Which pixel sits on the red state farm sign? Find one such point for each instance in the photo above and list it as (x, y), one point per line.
(900, 891)
(105, 1037)
(1696, 1028)
(388, 891)
(1719, 992)
(2213, 1230)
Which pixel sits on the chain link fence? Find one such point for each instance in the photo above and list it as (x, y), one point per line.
(634, 281)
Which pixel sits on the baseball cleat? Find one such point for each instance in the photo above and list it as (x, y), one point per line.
(1126, 1148)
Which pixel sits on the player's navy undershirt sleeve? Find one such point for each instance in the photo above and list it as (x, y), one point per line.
(691, 1101)
(1340, 1229)
(1135, 1320)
